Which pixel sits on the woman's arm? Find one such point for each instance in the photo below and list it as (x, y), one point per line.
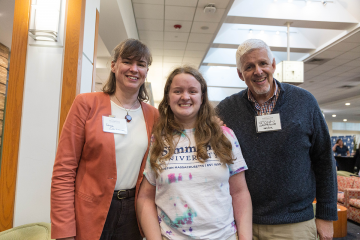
(242, 205)
(334, 147)
(146, 211)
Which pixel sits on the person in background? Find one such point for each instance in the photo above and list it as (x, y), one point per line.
(101, 154)
(195, 184)
(285, 141)
(340, 149)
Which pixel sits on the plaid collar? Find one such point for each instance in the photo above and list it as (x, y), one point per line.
(269, 105)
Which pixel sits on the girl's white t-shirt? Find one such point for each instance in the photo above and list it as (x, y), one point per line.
(193, 198)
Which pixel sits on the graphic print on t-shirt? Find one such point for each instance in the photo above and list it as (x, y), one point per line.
(193, 198)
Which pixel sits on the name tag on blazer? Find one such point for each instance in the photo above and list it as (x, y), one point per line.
(114, 125)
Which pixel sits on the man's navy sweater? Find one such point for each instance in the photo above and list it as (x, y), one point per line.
(287, 168)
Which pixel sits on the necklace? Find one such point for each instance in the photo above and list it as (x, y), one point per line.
(127, 116)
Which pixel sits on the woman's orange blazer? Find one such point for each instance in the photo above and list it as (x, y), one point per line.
(84, 174)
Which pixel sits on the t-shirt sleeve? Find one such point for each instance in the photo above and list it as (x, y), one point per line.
(148, 171)
(239, 164)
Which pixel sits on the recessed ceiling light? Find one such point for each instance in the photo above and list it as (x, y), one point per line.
(347, 104)
(345, 120)
(204, 27)
(334, 115)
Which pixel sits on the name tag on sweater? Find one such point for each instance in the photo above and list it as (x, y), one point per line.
(114, 125)
(268, 123)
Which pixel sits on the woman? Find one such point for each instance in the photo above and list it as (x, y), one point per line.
(340, 149)
(97, 168)
(195, 172)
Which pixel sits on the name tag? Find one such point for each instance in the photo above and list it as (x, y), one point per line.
(268, 123)
(114, 125)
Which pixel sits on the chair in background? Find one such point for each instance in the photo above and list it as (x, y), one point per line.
(32, 231)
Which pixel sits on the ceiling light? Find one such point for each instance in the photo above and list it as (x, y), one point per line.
(334, 115)
(210, 8)
(347, 104)
(345, 120)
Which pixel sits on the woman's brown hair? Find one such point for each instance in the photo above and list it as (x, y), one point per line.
(132, 49)
(207, 130)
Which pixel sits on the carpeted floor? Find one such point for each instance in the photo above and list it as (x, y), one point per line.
(353, 229)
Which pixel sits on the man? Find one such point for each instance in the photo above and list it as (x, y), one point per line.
(286, 144)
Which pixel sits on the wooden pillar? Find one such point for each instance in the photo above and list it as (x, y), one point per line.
(74, 36)
(95, 49)
(13, 113)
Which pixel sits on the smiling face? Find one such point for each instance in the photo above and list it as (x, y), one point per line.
(185, 99)
(257, 72)
(129, 73)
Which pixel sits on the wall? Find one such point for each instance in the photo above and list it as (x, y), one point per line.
(40, 118)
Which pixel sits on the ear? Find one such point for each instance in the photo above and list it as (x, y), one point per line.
(274, 64)
(240, 74)
(113, 66)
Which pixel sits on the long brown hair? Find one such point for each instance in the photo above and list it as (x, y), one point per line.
(134, 49)
(207, 131)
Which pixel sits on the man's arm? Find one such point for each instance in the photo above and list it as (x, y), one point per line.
(325, 174)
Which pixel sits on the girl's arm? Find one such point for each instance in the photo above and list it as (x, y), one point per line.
(146, 211)
(242, 205)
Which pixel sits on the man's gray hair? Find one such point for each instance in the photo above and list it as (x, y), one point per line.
(248, 46)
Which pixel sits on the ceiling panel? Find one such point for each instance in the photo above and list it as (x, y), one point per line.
(173, 59)
(349, 55)
(154, 44)
(329, 54)
(179, 13)
(200, 16)
(148, 11)
(342, 68)
(204, 27)
(150, 24)
(200, 38)
(151, 35)
(194, 54)
(218, 3)
(158, 52)
(355, 38)
(176, 36)
(336, 62)
(174, 53)
(149, 1)
(196, 46)
(175, 45)
(187, 3)
(185, 26)
(344, 46)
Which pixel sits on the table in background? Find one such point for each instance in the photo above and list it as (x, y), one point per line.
(340, 226)
(345, 163)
